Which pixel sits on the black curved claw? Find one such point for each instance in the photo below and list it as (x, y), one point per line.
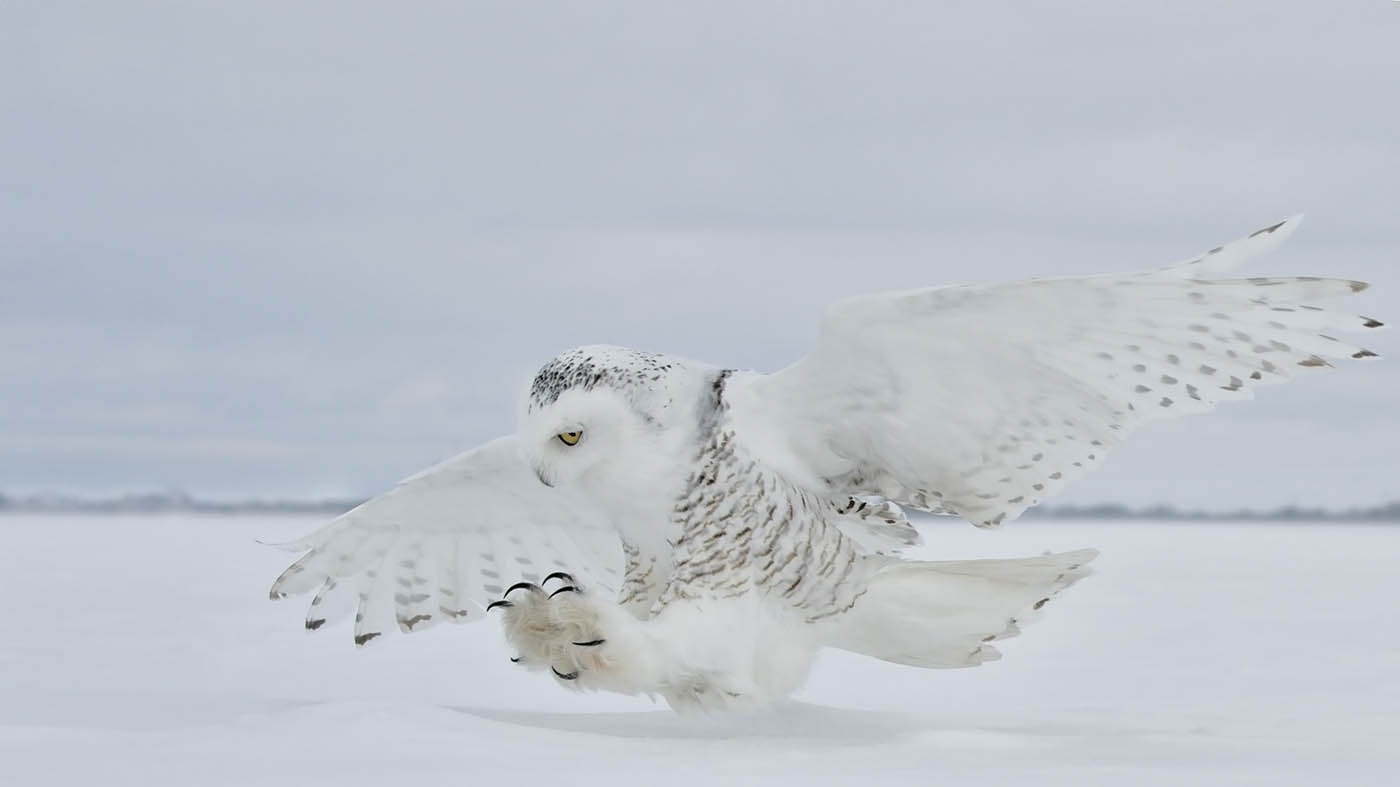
(514, 659)
(590, 643)
(564, 675)
(501, 603)
(520, 586)
(565, 589)
(564, 575)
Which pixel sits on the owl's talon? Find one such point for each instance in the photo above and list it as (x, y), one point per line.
(565, 589)
(501, 603)
(520, 586)
(564, 675)
(514, 659)
(564, 575)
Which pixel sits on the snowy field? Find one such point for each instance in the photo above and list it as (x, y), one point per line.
(143, 651)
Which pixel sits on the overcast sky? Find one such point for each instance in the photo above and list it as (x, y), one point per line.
(303, 249)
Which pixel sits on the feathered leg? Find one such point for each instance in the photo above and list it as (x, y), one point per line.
(698, 655)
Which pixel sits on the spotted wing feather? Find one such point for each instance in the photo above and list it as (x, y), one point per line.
(444, 543)
(984, 400)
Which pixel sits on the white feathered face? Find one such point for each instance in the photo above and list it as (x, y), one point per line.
(586, 437)
(617, 425)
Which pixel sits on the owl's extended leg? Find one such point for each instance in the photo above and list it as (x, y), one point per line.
(585, 642)
(694, 660)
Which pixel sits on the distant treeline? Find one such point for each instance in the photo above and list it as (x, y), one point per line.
(156, 503)
(1388, 512)
(181, 503)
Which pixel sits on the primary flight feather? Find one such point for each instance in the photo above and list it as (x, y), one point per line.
(662, 526)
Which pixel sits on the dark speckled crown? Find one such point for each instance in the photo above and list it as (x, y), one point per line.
(587, 368)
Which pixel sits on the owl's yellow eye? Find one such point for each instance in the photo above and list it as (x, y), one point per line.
(570, 438)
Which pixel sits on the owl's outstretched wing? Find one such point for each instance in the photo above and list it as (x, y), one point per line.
(447, 541)
(981, 401)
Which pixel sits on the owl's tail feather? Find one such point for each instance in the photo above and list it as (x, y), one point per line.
(947, 613)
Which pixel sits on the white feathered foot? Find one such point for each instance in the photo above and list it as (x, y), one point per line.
(710, 654)
(586, 642)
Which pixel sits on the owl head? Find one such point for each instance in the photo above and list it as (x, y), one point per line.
(608, 419)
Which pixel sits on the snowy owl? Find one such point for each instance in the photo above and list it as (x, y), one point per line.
(665, 527)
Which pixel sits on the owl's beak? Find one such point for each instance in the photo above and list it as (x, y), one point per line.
(540, 475)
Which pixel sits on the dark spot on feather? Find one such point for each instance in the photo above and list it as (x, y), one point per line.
(312, 625)
(1040, 603)
(361, 639)
(1363, 353)
(1313, 360)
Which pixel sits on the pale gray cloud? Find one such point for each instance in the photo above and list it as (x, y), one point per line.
(285, 248)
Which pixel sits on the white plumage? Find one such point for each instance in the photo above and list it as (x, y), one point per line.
(662, 526)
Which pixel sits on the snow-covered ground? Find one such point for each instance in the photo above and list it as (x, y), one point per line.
(143, 651)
